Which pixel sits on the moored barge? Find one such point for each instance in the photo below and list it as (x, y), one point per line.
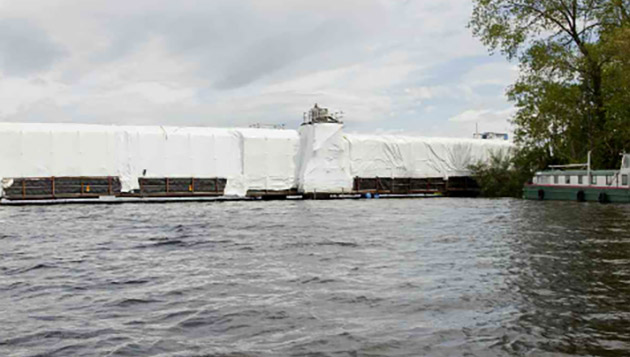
(604, 186)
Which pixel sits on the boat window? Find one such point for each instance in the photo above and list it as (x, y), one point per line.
(609, 180)
(555, 178)
(580, 179)
(626, 162)
(567, 179)
(624, 180)
(593, 180)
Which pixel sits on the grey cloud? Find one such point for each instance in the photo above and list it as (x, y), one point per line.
(233, 44)
(272, 54)
(25, 48)
(205, 31)
(243, 61)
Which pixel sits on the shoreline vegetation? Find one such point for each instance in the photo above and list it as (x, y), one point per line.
(573, 92)
(500, 177)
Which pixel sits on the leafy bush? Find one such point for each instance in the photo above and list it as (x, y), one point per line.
(500, 177)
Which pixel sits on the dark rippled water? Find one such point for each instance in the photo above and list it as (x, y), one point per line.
(441, 277)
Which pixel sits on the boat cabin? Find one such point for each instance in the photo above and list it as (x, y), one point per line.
(586, 178)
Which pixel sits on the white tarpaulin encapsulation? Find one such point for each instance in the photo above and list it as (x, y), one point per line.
(267, 159)
(417, 157)
(175, 152)
(316, 158)
(43, 150)
(259, 159)
(330, 160)
(324, 159)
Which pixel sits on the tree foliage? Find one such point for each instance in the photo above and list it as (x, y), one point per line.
(573, 94)
(499, 177)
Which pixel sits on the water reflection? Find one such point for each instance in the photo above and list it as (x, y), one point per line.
(436, 277)
(569, 276)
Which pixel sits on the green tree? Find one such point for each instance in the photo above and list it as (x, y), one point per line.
(500, 177)
(574, 61)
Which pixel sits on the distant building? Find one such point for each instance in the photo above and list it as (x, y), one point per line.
(490, 136)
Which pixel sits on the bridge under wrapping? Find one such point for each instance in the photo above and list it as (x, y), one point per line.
(79, 161)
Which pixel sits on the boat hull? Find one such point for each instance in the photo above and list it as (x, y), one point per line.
(573, 193)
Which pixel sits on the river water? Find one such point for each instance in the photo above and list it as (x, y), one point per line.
(437, 277)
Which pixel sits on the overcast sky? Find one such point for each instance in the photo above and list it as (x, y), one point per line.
(389, 65)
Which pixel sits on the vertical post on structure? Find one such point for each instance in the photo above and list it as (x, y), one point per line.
(588, 168)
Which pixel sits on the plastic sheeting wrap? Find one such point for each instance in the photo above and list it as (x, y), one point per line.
(176, 152)
(417, 157)
(317, 158)
(331, 160)
(268, 161)
(249, 158)
(324, 160)
(39, 150)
